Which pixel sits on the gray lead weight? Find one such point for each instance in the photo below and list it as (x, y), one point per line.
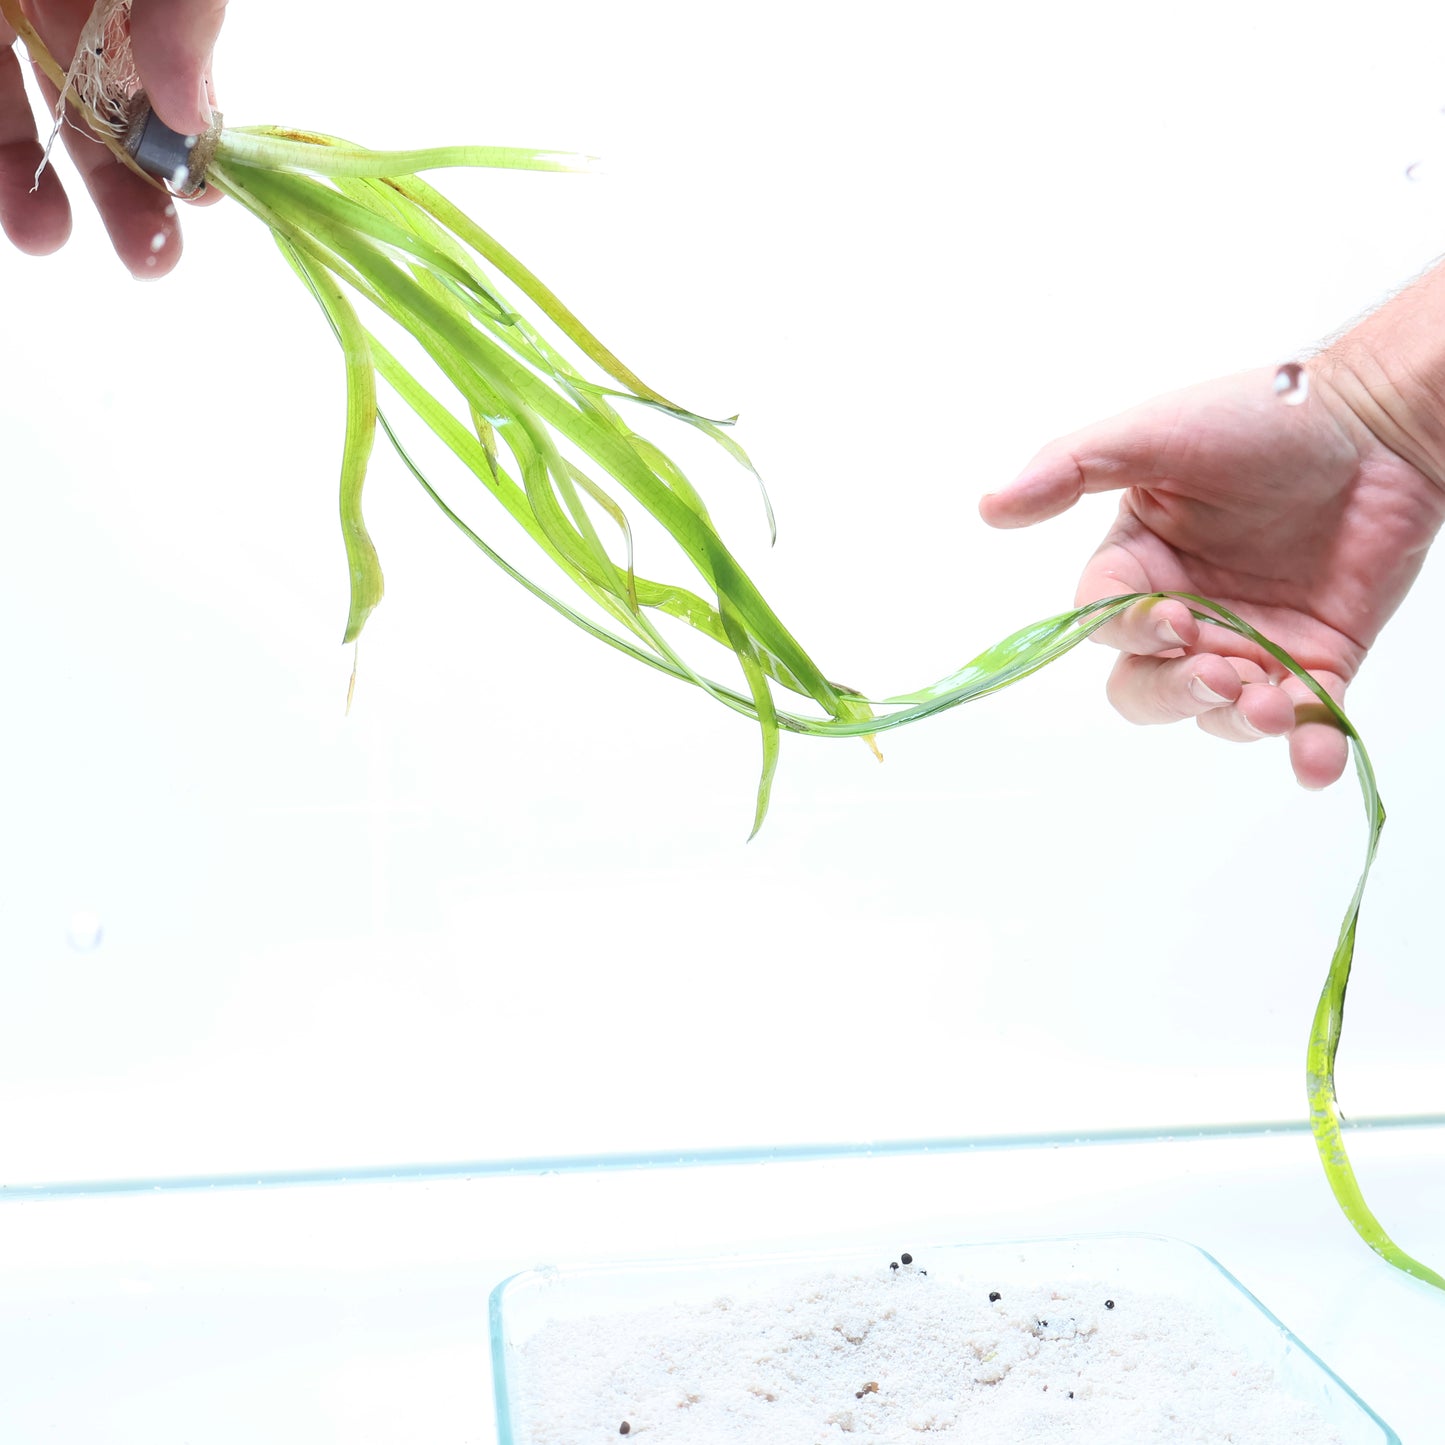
(163, 153)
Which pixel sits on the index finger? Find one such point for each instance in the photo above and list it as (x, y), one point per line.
(139, 218)
(34, 214)
(1148, 629)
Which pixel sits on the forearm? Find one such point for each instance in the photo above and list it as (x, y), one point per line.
(1390, 370)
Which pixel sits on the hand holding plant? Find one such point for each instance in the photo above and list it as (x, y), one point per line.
(1299, 517)
(171, 42)
(1313, 518)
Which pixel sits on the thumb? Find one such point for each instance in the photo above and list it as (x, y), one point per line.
(1108, 456)
(1050, 484)
(172, 41)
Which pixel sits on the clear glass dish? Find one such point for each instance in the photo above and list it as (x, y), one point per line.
(524, 1304)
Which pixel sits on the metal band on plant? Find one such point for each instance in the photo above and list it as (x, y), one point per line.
(178, 160)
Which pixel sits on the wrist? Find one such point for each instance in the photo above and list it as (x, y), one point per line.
(1390, 370)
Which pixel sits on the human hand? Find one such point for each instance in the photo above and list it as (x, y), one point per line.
(1298, 517)
(171, 41)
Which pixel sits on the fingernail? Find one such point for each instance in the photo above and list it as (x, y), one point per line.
(1253, 731)
(1164, 631)
(1200, 691)
(204, 102)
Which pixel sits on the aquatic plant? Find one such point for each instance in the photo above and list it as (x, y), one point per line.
(537, 433)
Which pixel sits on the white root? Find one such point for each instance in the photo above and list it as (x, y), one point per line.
(102, 75)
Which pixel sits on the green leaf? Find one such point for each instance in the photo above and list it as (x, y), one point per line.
(312, 153)
(362, 562)
(405, 249)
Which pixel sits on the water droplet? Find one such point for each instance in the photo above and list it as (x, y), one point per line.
(85, 930)
(158, 240)
(1291, 383)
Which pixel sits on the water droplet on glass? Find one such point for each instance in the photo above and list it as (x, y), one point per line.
(85, 930)
(1291, 383)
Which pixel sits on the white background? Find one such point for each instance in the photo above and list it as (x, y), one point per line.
(505, 907)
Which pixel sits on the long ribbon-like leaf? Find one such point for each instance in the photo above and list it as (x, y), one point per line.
(410, 252)
(362, 562)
